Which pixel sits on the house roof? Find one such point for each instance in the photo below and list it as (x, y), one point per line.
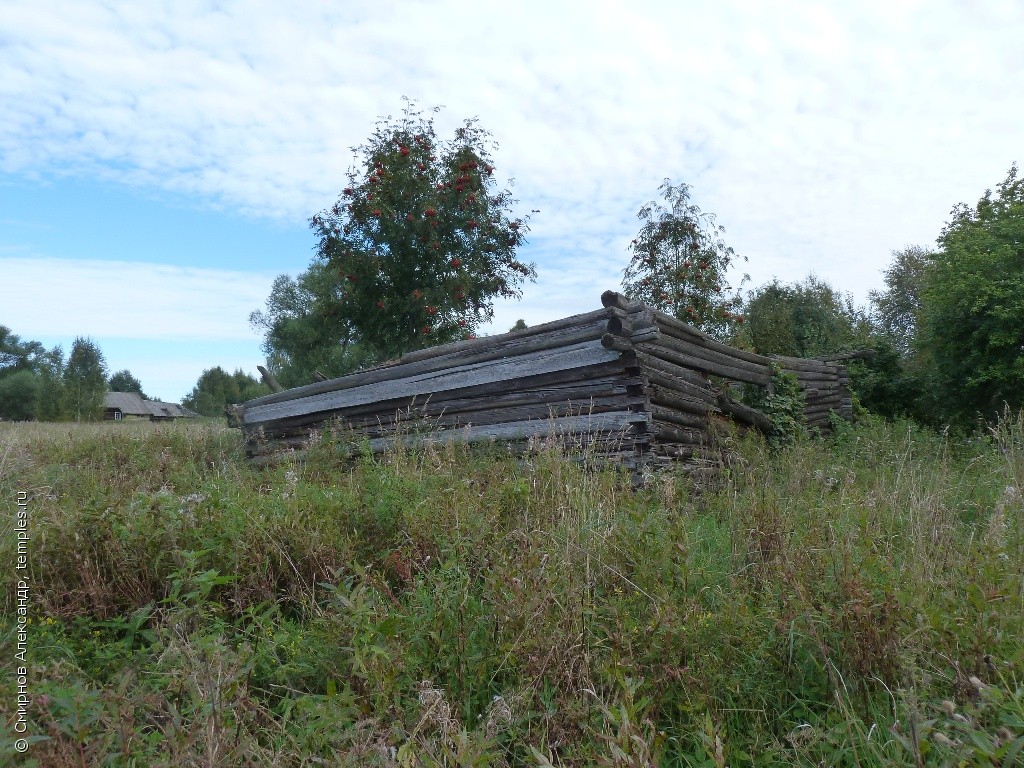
(132, 404)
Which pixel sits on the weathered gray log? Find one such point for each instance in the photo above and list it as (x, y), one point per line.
(667, 433)
(545, 361)
(744, 413)
(269, 380)
(678, 417)
(611, 427)
(506, 345)
(649, 362)
(487, 342)
(671, 398)
(498, 413)
(646, 334)
(796, 364)
(814, 378)
(711, 362)
(692, 362)
(668, 382)
(616, 424)
(613, 299)
(618, 343)
(486, 393)
(667, 324)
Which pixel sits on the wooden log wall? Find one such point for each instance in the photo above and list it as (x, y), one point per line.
(631, 384)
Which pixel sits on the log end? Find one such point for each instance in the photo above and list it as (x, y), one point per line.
(613, 299)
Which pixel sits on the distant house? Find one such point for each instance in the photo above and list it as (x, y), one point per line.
(130, 405)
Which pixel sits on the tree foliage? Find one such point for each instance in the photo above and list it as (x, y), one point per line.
(123, 381)
(413, 253)
(85, 380)
(897, 309)
(805, 319)
(17, 355)
(19, 393)
(217, 388)
(679, 263)
(972, 308)
(302, 336)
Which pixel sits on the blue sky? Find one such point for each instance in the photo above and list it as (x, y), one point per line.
(159, 161)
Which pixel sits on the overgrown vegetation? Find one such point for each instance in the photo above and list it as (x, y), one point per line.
(856, 602)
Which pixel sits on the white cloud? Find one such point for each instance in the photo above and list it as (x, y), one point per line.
(130, 300)
(823, 136)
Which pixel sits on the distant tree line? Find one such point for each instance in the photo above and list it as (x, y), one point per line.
(37, 383)
(40, 384)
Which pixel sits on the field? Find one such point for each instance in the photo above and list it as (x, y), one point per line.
(851, 602)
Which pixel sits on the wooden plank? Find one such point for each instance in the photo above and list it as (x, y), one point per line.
(498, 347)
(493, 371)
(565, 381)
(617, 424)
(489, 342)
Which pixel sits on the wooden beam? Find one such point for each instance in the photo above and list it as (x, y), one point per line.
(269, 380)
(545, 361)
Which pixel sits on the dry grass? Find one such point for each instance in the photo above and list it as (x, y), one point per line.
(443, 607)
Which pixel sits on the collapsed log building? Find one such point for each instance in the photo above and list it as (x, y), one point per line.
(629, 384)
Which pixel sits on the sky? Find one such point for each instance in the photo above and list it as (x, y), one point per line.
(160, 161)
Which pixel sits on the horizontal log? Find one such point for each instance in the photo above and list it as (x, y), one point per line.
(556, 382)
(649, 362)
(618, 424)
(807, 364)
(671, 399)
(546, 361)
(613, 299)
(668, 323)
(694, 363)
(668, 382)
(667, 433)
(574, 391)
(452, 355)
(726, 362)
(744, 413)
(488, 342)
(645, 334)
(618, 343)
(446, 418)
(499, 413)
(680, 418)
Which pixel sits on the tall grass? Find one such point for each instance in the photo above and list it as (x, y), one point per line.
(857, 602)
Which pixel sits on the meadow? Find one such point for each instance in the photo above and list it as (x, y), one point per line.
(856, 601)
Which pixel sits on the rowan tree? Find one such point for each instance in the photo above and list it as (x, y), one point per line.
(419, 244)
(679, 263)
